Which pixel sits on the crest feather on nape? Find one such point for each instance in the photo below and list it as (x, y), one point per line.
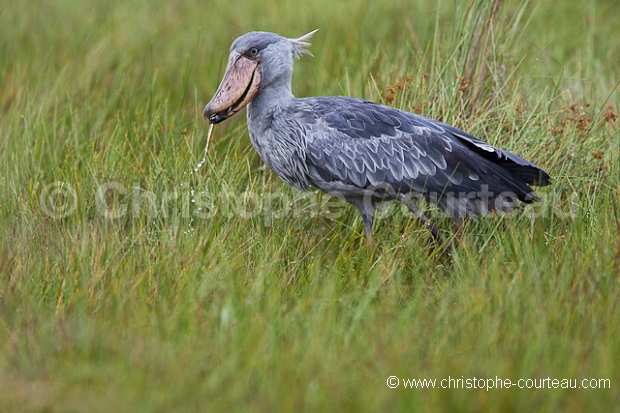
(301, 44)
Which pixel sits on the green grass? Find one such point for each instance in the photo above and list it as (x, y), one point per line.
(130, 283)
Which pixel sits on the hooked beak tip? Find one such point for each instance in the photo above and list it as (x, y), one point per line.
(211, 116)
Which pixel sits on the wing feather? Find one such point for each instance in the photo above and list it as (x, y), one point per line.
(356, 144)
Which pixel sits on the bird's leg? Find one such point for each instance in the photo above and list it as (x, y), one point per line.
(425, 220)
(366, 216)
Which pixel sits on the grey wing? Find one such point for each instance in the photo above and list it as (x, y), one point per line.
(355, 145)
(519, 167)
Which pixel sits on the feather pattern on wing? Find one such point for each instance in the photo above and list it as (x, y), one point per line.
(349, 145)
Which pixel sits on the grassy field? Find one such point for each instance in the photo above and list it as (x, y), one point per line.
(130, 282)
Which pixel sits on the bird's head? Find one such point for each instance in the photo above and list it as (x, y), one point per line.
(257, 60)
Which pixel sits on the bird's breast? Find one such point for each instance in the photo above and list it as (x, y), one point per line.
(280, 146)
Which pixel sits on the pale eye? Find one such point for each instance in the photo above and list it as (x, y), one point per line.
(254, 51)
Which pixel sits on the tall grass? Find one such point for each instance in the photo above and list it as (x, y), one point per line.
(129, 282)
